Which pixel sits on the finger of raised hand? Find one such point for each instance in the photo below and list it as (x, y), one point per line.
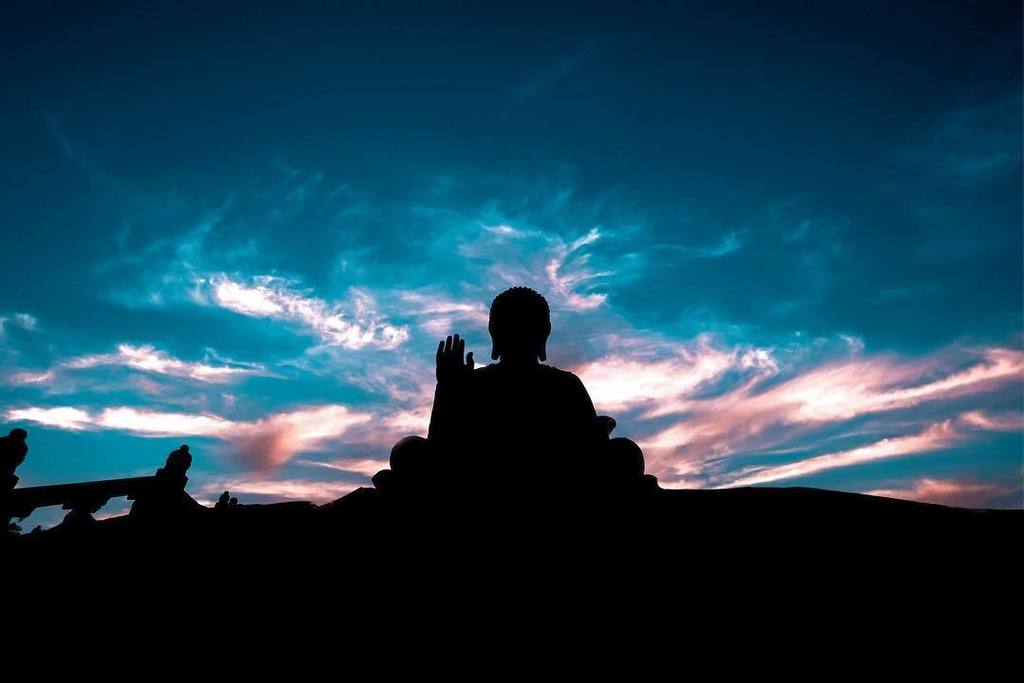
(448, 345)
(440, 351)
(469, 360)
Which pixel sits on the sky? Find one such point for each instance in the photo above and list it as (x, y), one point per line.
(782, 244)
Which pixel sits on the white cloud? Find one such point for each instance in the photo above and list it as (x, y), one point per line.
(355, 326)
(149, 359)
(259, 444)
(63, 417)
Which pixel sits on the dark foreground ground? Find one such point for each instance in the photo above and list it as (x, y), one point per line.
(671, 573)
(756, 531)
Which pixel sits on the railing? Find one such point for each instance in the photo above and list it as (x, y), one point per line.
(157, 494)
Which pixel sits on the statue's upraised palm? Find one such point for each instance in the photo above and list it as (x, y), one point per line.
(451, 368)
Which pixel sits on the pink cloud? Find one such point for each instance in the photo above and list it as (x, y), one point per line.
(937, 436)
(28, 377)
(272, 441)
(294, 489)
(366, 467)
(617, 382)
(957, 492)
(750, 418)
(1003, 422)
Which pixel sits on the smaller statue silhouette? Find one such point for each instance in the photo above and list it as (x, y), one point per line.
(13, 450)
(167, 498)
(225, 502)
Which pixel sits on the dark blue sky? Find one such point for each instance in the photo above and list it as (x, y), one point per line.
(787, 232)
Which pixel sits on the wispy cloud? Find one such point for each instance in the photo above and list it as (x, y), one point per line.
(625, 381)
(355, 325)
(312, 490)
(958, 492)
(150, 359)
(439, 315)
(937, 436)
(567, 273)
(24, 321)
(751, 416)
(145, 359)
(258, 444)
(366, 467)
(730, 242)
(975, 144)
(561, 68)
(63, 417)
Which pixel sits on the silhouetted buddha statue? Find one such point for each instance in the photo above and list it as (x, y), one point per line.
(515, 424)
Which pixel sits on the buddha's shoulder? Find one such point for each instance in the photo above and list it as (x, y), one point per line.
(548, 372)
(562, 379)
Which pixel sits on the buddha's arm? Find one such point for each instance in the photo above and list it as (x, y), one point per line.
(450, 393)
(445, 412)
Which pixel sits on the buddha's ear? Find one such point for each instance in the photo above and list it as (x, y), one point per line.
(542, 351)
(495, 352)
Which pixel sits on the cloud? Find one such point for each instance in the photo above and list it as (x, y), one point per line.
(560, 69)
(354, 326)
(440, 315)
(272, 441)
(29, 377)
(975, 144)
(730, 242)
(145, 358)
(366, 467)
(64, 417)
(25, 321)
(935, 437)
(258, 444)
(618, 382)
(956, 492)
(752, 416)
(567, 272)
(155, 423)
(294, 489)
(149, 359)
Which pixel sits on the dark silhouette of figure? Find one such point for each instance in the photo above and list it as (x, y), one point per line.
(13, 450)
(167, 498)
(516, 423)
(226, 501)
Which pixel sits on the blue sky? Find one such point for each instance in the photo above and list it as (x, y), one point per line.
(782, 245)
